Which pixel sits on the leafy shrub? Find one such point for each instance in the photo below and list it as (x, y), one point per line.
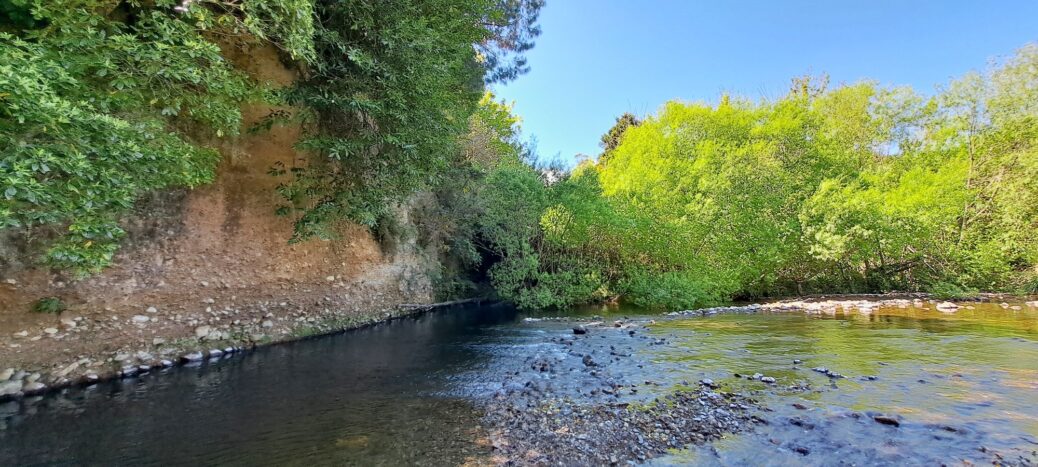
(52, 305)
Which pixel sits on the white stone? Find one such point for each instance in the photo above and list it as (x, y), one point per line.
(151, 309)
(51, 331)
(202, 331)
(140, 319)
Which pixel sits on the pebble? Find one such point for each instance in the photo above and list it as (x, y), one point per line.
(192, 357)
(151, 309)
(50, 331)
(767, 379)
(140, 319)
(10, 388)
(887, 420)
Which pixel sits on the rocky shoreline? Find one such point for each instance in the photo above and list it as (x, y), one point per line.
(564, 432)
(217, 336)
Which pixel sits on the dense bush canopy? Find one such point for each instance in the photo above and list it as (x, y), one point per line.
(854, 188)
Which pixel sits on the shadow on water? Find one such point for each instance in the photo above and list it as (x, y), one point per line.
(372, 396)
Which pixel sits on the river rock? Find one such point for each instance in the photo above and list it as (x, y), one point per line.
(51, 331)
(202, 332)
(33, 387)
(579, 330)
(151, 309)
(887, 420)
(140, 319)
(192, 357)
(6, 374)
(708, 383)
(767, 379)
(947, 307)
(267, 323)
(215, 353)
(10, 388)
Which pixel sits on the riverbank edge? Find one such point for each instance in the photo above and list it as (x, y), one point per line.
(193, 355)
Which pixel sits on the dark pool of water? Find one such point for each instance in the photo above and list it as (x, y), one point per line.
(408, 392)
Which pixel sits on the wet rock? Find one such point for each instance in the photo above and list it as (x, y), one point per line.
(797, 362)
(215, 353)
(579, 330)
(767, 379)
(588, 361)
(10, 388)
(128, 371)
(886, 420)
(192, 357)
(708, 383)
(947, 307)
(799, 406)
(165, 363)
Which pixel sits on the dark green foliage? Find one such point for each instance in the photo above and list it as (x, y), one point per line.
(614, 136)
(391, 94)
(52, 305)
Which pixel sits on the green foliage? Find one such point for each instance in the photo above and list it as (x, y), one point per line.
(390, 97)
(99, 98)
(850, 189)
(52, 305)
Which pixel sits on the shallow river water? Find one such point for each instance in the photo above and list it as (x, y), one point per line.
(963, 386)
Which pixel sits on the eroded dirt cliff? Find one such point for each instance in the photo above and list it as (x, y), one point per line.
(205, 268)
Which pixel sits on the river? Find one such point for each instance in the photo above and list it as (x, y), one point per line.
(963, 386)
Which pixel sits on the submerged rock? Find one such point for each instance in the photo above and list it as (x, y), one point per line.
(886, 420)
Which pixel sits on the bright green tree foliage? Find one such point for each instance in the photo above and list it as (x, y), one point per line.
(851, 189)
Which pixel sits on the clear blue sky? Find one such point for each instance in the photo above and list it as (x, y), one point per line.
(599, 58)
